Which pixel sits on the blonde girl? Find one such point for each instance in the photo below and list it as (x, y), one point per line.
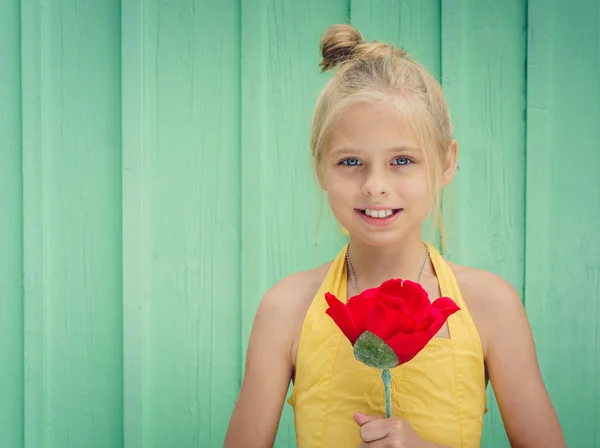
(383, 150)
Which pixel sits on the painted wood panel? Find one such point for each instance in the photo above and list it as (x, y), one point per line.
(72, 224)
(133, 202)
(11, 231)
(155, 181)
(189, 221)
(563, 208)
(415, 26)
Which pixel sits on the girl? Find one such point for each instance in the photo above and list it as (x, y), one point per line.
(383, 150)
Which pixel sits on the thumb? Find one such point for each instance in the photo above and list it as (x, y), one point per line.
(362, 419)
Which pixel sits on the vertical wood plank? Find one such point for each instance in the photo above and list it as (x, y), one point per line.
(72, 220)
(134, 228)
(563, 209)
(280, 202)
(191, 219)
(35, 364)
(483, 74)
(11, 230)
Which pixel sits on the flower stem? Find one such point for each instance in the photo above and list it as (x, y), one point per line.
(386, 375)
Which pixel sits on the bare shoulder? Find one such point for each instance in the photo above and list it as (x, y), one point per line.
(493, 302)
(286, 304)
(510, 357)
(294, 293)
(483, 285)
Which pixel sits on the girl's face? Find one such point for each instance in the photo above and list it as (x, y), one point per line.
(374, 174)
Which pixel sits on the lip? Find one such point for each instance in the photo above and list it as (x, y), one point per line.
(379, 222)
(378, 207)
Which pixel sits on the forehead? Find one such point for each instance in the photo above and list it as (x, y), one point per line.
(371, 126)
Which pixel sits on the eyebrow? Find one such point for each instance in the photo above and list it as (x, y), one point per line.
(353, 151)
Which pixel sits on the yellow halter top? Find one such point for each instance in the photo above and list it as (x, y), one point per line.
(441, 391)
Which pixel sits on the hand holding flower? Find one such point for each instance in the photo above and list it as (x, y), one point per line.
(380, 432)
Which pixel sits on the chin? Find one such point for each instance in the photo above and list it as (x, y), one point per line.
(378, 238)
(381, 237)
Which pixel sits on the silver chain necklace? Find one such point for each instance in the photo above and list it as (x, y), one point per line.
(351, 269)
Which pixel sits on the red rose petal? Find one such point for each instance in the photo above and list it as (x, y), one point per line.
(407, 346)
(406, 296)
(417, 299)
(357, 308)
(391, 294)
(387, 322)
(339, 313)
(370, 294)
(445, 305)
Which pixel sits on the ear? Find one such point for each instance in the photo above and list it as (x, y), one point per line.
(450, 163)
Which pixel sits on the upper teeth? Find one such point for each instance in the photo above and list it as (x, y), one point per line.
(379, 213)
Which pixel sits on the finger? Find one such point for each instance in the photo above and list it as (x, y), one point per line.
(362, 419)
(375, 429)
(382, 443)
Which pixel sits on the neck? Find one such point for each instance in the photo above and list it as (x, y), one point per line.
(373, 265)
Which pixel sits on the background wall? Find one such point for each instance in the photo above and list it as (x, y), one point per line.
(155, 182)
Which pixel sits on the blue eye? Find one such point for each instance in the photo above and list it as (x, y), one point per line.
(402, 161)
(350, 162)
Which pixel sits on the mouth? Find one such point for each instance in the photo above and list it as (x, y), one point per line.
(379, 218)
(379, 214)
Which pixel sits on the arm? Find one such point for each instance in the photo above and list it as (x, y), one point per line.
(257, 411)
(527, 412)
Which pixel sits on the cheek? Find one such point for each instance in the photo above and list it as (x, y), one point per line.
(337, 187)
(413, 184)
(416, 191)
(340, 199)
(338, 196)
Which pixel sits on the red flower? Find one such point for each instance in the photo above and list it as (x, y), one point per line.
(398, 312)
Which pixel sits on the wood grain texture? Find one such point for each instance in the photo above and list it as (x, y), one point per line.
(414, 26)
(134, 231)
(11, 230)
(71, 165)
(483, 74)
(280, 202)
(35, 408)
(563, 209)
(191, 220)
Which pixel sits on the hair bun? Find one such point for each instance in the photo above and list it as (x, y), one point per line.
(337, 45)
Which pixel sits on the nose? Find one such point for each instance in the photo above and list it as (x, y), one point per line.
(375, 184)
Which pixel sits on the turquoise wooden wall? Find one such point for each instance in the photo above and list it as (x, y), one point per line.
(155, 181)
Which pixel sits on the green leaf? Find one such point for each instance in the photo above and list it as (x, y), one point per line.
(374, 352)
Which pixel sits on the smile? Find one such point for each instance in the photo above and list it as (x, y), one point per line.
(379, 214)
(378, 218)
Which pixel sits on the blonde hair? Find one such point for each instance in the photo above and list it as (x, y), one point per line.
(375, 71)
